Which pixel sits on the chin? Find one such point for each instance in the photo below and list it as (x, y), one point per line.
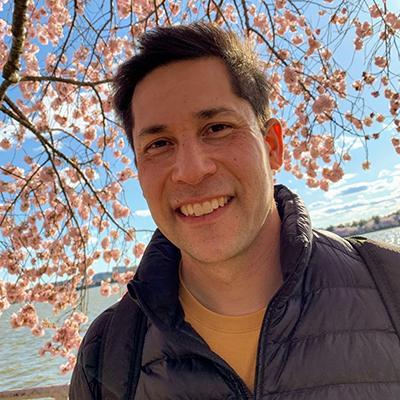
(210, 254)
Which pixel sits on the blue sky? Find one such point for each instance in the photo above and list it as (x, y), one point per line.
(361, 194)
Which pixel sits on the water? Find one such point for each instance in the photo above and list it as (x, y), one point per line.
(20, 364)
(391, 235)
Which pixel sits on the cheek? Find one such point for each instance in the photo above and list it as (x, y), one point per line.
(152, 185)
(145, 181)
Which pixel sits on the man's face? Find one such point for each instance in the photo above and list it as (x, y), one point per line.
(203, 163)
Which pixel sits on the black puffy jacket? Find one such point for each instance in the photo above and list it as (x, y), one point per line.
(326, 334)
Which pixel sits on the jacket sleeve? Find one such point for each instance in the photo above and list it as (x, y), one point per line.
(85, 381)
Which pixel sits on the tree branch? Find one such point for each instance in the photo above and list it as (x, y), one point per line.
(17, 115)
(11, 68)
(63, 80)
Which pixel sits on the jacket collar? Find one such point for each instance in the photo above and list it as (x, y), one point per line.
(156, 284)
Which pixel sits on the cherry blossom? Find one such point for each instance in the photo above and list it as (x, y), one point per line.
(105, 289)
(323, 104)
(381, 61)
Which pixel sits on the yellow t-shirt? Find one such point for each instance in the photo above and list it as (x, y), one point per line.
(233, 338)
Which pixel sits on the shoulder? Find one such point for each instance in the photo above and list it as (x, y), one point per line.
(336, 263)
(350, 245)
(90, 348)
(107, 335)
(97, 327)
(329, 241)
(333, 255)
(85, 377)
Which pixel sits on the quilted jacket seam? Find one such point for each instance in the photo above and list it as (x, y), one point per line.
(305, 390)
(346, 252)
(316, 290)
(386, 331)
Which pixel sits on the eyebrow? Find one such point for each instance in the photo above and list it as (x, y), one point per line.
(205, 114)
(212, 112)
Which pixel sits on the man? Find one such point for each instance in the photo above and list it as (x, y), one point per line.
(242, 299)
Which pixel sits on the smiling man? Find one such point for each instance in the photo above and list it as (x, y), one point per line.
(237, 296)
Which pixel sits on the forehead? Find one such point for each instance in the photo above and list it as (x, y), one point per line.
(178, 90)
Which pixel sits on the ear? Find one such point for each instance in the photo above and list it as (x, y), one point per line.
(273, 137)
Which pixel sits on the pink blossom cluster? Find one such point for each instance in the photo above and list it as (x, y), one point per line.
(107, 289)
(340, 18)
(66, 339)
(363, 30)
(381, 61)
(396, 144)
(123, 277)
(397, 124)
(394, 103)
(5, 31)
(279, 4)
(125, 174)
(26, 316)
(375, 11)
(357, 123)
(393, 21)
(69, 365)
(4, 303)
(55, 243)
(138, 249)
(16, 292)
(293, 77)
(140, 8)
(120, 211)
(333, 174)
(324, 104)
(326, 86)
(111, 255)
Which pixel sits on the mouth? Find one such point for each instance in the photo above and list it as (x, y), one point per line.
(204, 208)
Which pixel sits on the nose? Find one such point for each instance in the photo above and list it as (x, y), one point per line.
(192, 164)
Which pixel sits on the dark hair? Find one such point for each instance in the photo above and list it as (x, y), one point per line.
(165, 45)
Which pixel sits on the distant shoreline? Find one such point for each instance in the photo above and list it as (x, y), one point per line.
(374, 224)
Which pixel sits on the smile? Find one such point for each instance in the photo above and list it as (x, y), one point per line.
(206, 207)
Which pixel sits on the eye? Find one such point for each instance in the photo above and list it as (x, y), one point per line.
(215, 128)
(157, 145)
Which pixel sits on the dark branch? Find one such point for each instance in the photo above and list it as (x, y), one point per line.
(11, 68)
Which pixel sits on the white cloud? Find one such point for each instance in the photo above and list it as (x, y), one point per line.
(363, 206)
(318, 205)
(344, 181)
(346, 189)
(389, 127)
(349, 143)
(142, 213)
(361, 200)
(383, 173)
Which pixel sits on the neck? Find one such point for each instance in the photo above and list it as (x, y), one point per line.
(242, 284)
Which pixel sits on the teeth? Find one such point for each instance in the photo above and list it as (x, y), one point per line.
(198, 209)
(207, 207)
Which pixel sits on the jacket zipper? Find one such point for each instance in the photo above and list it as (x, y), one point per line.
(263, 332)
(239, 386)
(230, 374)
